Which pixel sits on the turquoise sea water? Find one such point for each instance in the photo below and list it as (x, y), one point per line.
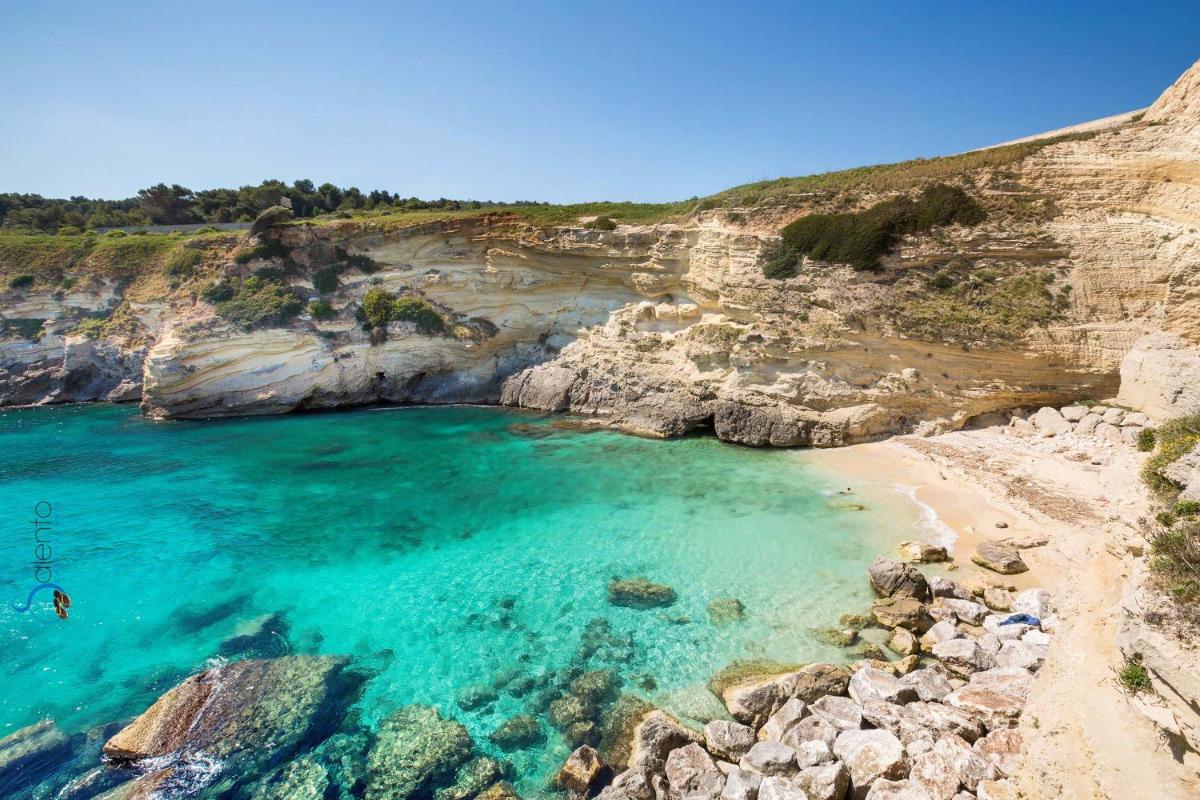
(436, 546)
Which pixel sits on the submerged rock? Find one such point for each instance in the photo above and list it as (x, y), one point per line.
(724, 610)
(302, 779)
(518, 733)
(414, 749)
(639, 593)
(264, 637)
(472, 778)
(30, 754)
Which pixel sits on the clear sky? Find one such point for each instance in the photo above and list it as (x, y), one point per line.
(560, 101)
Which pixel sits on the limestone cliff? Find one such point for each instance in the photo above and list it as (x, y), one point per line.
(669, 327)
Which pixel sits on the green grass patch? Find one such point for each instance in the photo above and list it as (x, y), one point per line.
(1135, 678)
(320, 309)
(381, 307)
(91, 327)
(183, 263)
(860, 238)
(22, 327)
(1175, 560)
(253, 302)
(1174, 440)
(262, 251)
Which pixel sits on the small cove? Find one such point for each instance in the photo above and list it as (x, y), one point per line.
(440, 548)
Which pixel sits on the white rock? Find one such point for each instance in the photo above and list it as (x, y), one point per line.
(897, 790)
(970, 767)
(962, 656)
(965, 610)
(782, 720)
(870, 755)
(691, 773)
(1109, 433)
(1034, 602)
(1074, 413)
(770, 758)
(810, 729)
(939, 632)
(1019, 653)
(779, 787)
(1087, 425)
(929, 684)
(1135, 418)
(1049, 422)
(875, 684)
(1037, 637)
(813, 754)
(728, 740)
(1114, 416)
(840, 712)
(741, 784)
(825, 782)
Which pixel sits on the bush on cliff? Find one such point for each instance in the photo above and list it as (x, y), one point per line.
(254, 302)
(601, 224)
(1174, 440)
(325, 280)
(320, 309)
(381, 307)
(859, 238)
(184, 262)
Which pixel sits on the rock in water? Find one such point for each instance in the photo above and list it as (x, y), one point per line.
(518, 733)
(268, 707)
(724, 610)
(891, 578)
(302, 779)
(998, 558)
(579, 771)
(414, 749)
(639, 593)
(29, 755)
(264, 637)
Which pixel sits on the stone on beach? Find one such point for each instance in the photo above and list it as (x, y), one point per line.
(810, 729)
(963, 657)
(779, 787)
(903, 642)
(1034, 602)
(654, 738)
(944, 587)
(929, 684)
(896, 790)
(939, 632)
(966, 611)
(741, 784)
(824, 782)
(869, 755)
(999, 558)
(1049, 422)
(917, 552)
(728, 740)
(874, 684)
(1001, 748)
(904, 612)
(753, 702)
(770, 758)
(782, 720)
(840, 712)
(692, 773)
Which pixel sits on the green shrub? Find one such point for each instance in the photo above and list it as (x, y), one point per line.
(859, 238)
(91, 327)
(1174, 440)
(1175, 559)
(1165, 518)
(20, 282)
(1147, 437)
(320, 309)
(381, 307)
(24, 327)
(601, 224)
(69, 230)
(1134, 677)
(359, 262)
(253, 302)
(1187, 508)
(325, 280)
(184, 262)
(115, 235)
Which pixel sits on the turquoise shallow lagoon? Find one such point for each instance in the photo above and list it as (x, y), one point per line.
(436, 546)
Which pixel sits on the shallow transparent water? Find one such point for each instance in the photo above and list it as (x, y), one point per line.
(398, 537)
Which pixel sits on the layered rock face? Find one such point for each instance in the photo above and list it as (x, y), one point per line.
(661, 329)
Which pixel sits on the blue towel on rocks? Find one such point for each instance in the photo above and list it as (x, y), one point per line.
(1023, 619)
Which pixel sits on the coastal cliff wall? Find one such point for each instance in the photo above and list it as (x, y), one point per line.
(665, 328)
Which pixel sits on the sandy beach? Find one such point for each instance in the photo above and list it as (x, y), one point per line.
(1089, 739)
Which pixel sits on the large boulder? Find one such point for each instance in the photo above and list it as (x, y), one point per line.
(1034, 602)
(870, 755)
(917, 552)
(741, 784)
(828, 781)
(939, 719)
(995, 696)
(891, 578)
(840, 712)
(929, 684)
(810, 729)
(966, 611)
(754, 701)
(999, 558)
(969, 766)
(1002, 749)
(414, 750)
(692, 773)
(770, 758)
(266, 708)
(897, 790)
(1049, 422)
(639, 593)
(782, 720)
(653, 740)
(899, 612)
(963, 657)
(936, 775)
(728, 740)
(780, 787)
(875, 684)
(1019, 653)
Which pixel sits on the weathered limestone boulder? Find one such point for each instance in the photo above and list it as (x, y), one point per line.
(782, 720)
(29, 755)
(654, 738)
(1087, 426)
(1002, 749)
(938, 719)
(1073, 413)
(770, 758)
(995, 696)
(970, 767)
(639, 593)
(936, 775)
(939, 632)
(997, 790)
(753, 702)
(996, 598)
(1034, 602)
(728, 740)
(780, 787)
(692, 773)
(518, 733)
(897, 790)
(1114, 416)
(1049, 422)
(869, 755)
(899, 612)
(825, 782)
(916, 552)
(891, 578)
(966, 611)
(472, 778)
(875, 684)
(810, 729)
(903, 642)
(944, 587)
(929, 684)
(891, 718)
(962, 656)
(266, 707)
(999, 558)
(1019, 653)
(580, 771)
(813, 753)
(741, 784)
(840, 712)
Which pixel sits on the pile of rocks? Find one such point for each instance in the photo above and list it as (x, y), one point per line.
(937, 724)
(1104, 425)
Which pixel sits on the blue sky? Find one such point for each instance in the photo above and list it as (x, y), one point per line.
(560, 101)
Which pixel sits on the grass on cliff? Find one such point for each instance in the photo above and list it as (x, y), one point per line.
(1175, 543)
(254, 302)
(1173, 440)
(49, 258)
(381, 307)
